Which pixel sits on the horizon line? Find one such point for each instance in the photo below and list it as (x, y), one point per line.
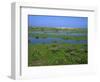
(54, 27)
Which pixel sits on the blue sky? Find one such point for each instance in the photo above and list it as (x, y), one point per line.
(57, 21)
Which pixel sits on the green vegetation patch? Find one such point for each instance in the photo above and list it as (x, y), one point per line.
(57, 54)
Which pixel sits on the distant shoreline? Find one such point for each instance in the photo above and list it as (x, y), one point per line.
(58, 27)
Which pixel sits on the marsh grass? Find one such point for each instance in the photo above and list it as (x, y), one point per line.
(56, 53)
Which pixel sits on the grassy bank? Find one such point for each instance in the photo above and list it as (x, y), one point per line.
(56, 54)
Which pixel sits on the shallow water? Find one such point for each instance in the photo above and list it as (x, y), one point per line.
(55, 40)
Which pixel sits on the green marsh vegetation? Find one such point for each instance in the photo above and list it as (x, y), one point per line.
(56, 52)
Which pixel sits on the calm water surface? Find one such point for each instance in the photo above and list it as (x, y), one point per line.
(56, 40)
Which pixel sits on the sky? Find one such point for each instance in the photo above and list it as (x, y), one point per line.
(57, 21)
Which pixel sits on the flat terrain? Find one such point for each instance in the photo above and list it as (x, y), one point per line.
(57, 46)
